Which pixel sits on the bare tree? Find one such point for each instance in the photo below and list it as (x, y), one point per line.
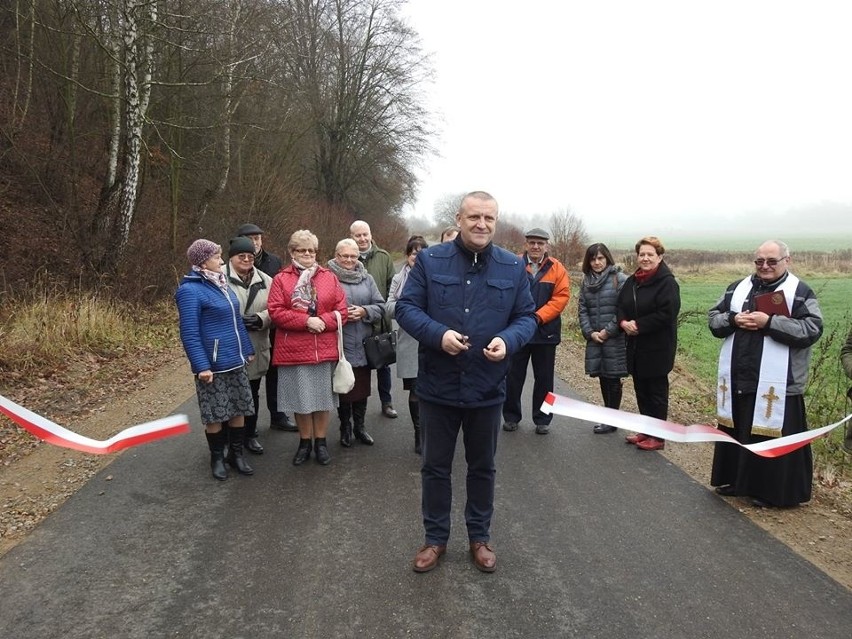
(445, 209)
(568, 236)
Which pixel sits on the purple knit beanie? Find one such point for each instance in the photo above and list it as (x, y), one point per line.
(200, 251)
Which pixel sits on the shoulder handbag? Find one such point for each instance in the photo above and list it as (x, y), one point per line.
(381, 349)
(343, 379)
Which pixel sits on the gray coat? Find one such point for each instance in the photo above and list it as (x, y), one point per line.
(406, 345)
(259, 339)
(365, 293)
(596, 306)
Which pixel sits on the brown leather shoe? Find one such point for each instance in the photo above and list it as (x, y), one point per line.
(427, 557)
(483, 557)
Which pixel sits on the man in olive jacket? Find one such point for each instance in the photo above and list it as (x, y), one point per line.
(379, 264)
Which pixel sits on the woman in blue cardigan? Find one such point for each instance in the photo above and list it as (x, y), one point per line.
(218, 348)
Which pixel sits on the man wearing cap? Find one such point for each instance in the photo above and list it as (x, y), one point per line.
(550, 287)
(379, 264)
(269, 264)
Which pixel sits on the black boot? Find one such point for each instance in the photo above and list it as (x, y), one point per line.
(359, 412)
(235, 451)
(414, 409)
(250, 442)
(321, 451)
(344, 412)
(303, 452)
(216, 443)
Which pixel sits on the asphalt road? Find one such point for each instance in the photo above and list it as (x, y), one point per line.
(593, 538)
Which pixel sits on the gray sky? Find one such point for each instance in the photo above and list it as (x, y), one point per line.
(650, 115)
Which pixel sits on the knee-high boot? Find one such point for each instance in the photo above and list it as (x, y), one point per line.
(359, 412)
(414, 409)
(216, 443)
(235, 451)
(344, 412)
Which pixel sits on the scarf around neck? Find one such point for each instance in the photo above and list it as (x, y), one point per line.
(348, 276)
(217, 278)
(643, 276)
(304, 295)
(595, 281)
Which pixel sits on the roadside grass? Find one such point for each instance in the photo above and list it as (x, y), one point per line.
(44, 327)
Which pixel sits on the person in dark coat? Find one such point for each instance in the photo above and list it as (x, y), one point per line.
(769, 321)
(606, 355)
(268, 263)
(218, 348)
(468, 305)
(648, 306)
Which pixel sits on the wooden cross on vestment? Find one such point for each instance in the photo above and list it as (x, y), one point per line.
(770, 398)
(724, 388)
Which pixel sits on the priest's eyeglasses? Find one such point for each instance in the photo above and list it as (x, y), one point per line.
(771, 262)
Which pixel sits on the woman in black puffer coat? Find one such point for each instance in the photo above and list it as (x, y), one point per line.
(605, 344)
(648, 306)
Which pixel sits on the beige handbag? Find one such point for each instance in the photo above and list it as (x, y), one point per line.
(343, 379)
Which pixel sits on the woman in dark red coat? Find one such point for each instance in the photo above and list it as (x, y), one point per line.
(648, 306)
(302, 301)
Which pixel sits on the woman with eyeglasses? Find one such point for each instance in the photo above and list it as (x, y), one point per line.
(218, 348)
(406, 346)
(251, 286)
(648, 306)
(302, 301)
(365, 305)
(606, 356)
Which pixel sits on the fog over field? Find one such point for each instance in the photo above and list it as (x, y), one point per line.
(662, 116)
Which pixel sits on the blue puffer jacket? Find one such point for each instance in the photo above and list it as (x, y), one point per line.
(211, 329)
(482, 295)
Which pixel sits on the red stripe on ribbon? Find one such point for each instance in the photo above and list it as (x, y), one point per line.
(662, 429)
(55, 434)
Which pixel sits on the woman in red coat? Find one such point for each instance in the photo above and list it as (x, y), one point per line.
(302, 301)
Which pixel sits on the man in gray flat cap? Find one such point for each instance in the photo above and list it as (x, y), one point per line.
(550, 288)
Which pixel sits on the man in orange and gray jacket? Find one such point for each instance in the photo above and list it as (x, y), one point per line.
(550, 289)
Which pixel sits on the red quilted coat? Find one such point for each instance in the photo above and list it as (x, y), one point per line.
(294, 344)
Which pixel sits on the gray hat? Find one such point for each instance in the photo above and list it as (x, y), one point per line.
(538, 233)
(249, 229)
(240, 245)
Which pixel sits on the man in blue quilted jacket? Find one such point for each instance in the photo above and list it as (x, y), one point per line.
(468, 304)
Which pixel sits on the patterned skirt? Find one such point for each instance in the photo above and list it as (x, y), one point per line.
(306, 388)
(227, 396)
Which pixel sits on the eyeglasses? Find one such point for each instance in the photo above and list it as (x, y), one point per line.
(304, 251)
(347, 257)
(771, 262)
(245, 257)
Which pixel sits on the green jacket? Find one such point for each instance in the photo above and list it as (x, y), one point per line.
(379, 264)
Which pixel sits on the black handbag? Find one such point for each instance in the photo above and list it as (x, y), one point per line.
(381, 349)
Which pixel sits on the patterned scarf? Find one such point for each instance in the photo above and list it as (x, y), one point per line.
(305, 294)
(216, 278)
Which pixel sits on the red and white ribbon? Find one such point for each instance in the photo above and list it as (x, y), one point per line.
(55, 434)
(671, 431)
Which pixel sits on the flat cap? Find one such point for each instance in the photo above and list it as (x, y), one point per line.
(249, 229)
(538, 233)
